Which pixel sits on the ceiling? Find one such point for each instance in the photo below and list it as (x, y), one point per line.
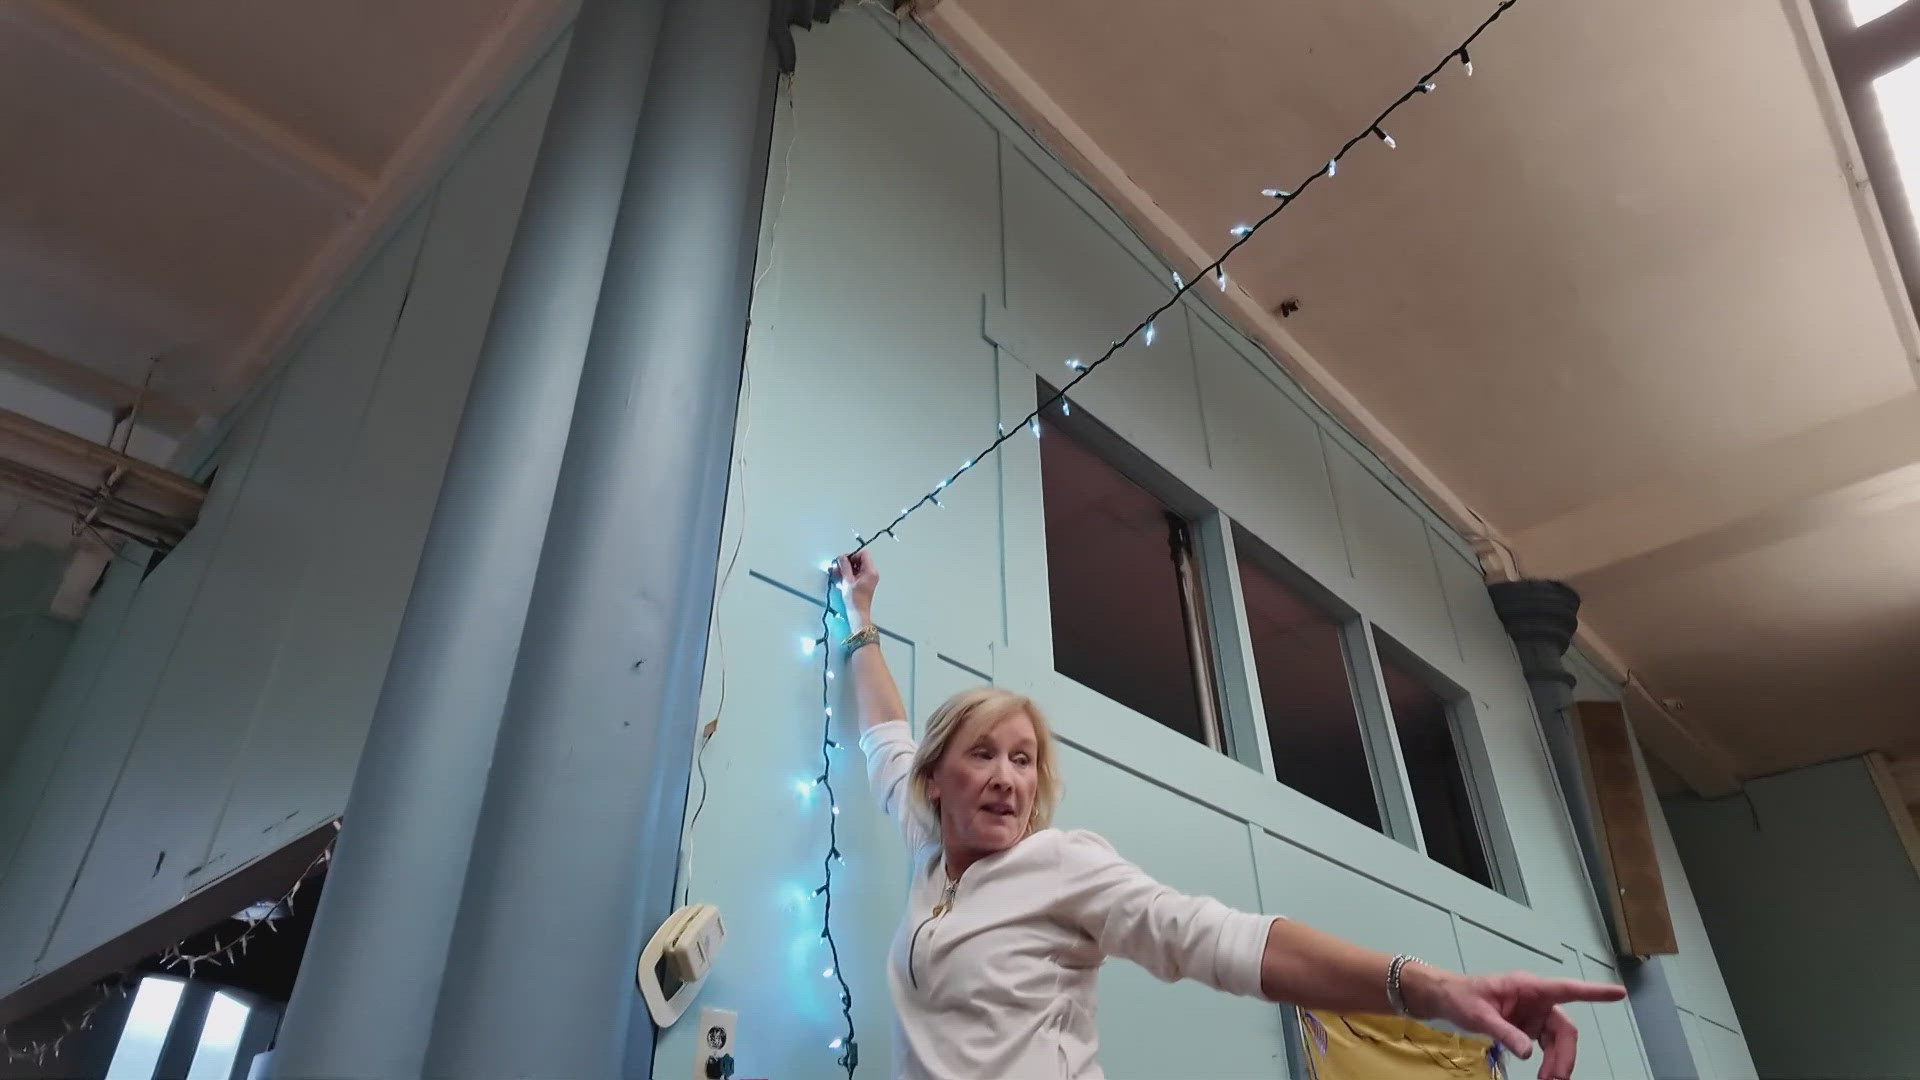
(186, 181)
(1617, 303)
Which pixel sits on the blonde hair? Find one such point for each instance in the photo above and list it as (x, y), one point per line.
(988, 705)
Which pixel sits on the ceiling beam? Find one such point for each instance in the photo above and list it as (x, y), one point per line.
(66, 448)
(99, 485)
(1903, 767)
(1880, 770)
(1708, 768)
(83, 35)
(91, 386)
(1867, 52)
(1864, 463)
(1702, 762)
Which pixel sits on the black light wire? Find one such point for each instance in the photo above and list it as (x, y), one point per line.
(849, 1058)
(1284, 199)
(849, 1049)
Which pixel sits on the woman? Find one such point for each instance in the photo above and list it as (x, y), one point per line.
(1008, 921)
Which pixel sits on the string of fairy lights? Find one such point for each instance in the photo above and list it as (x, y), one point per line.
(256, 917)
(1145, 330)
(1282, 199)
(39, 1050)
(847, 1045)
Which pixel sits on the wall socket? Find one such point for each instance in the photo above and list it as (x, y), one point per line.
(713, 1053)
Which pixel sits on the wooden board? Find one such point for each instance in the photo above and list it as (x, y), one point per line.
(1639, 909)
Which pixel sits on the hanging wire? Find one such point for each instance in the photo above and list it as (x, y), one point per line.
(847, 1045)
(1283, 199)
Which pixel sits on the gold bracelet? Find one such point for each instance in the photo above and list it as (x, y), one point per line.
(858, 640)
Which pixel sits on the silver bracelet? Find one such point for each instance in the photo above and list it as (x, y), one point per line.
(1394, 995)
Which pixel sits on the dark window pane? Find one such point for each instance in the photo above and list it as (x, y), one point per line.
(1312, 725)
(1434, 769)
(1118, 624)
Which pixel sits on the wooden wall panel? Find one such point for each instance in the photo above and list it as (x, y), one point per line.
(1639, 909)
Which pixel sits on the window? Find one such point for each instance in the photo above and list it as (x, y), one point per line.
(157, 1011)
(1898, 95)
(1313, 726)
(220, 1038)
(1874, 49)
(1437, 769)
(138, 1052)
(1123, 582)
(1141, 590)
(1865, 11)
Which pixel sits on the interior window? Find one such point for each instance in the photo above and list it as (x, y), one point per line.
(1313, 726)
(1124, 587)
(1436, 769)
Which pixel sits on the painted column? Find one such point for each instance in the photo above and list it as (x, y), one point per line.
(370, 981)
(1541, 617)
(574, 859)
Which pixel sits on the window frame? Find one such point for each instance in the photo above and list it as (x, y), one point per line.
(1476, 765)
(1246, 700)
(1236, 722)
(1857, 56)
(1201, 602)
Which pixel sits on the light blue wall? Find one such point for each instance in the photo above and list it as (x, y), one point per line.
(1814, 909)
(923, 259)
(1715, 1038)
(207, 714)
(32, 641)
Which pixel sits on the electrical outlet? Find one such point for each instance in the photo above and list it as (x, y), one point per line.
(713, 1056)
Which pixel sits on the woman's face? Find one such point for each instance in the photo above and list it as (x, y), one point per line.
(984, 785)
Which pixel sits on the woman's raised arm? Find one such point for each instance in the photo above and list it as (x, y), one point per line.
(876, 697)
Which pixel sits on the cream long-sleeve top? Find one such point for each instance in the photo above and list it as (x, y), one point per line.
(993, 976)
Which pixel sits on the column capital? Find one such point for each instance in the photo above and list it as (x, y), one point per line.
(1537, 612)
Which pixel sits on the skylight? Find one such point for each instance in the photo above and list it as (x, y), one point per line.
(1898, 93)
